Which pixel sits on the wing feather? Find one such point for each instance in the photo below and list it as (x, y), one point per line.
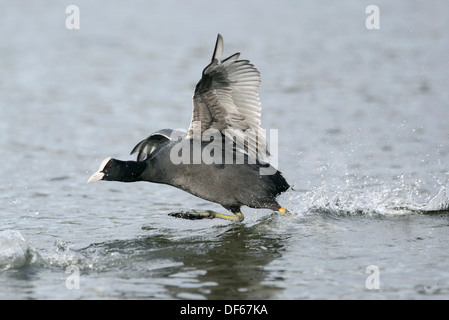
(226, 98)
(146, 147)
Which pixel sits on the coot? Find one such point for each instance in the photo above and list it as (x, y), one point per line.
(223, 157)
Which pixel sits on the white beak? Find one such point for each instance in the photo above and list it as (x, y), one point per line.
(98, 175)
(95, 177)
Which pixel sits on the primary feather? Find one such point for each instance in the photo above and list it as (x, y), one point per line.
(226, 99)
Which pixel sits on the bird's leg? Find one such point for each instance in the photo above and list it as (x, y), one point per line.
(284, 212)
(194, 214)
(207, 214)
(238, 216)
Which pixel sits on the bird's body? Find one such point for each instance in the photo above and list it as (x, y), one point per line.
(225, 169)
(217, 182)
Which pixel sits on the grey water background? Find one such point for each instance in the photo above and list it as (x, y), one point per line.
(362, 118)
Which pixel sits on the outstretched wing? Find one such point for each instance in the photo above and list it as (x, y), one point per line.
(226, 99)
(148, 145)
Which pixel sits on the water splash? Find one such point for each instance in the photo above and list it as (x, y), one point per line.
(439, 203)
(16, 250)
(381, 200)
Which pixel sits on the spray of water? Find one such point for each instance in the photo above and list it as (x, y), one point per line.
(381, 200)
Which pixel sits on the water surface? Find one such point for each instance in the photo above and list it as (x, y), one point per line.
(363, 138)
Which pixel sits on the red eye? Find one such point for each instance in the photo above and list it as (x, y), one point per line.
(110, 166)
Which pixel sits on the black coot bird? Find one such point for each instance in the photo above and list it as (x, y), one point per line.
(222, 157)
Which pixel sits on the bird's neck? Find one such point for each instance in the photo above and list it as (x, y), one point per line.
(131, 171)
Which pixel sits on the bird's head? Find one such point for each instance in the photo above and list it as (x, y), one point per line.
(117, 170)
(109, 170)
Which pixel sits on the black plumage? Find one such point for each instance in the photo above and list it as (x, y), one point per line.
(225, 169)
